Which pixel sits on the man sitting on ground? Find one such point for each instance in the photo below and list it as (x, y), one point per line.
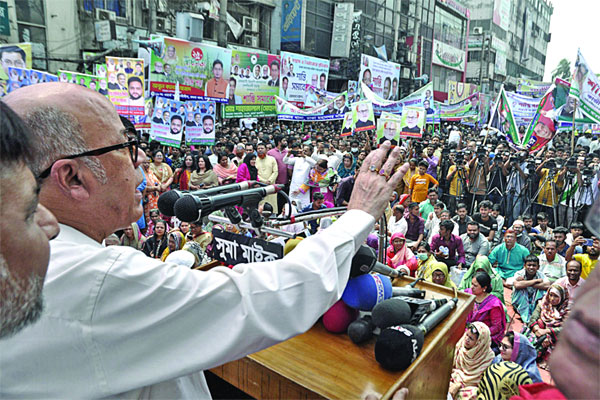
(552, 265)
(529, 285)
(508, 257)
(474, 243)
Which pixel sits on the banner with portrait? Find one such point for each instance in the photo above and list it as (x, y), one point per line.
(466, 109)
(89, 81)
(315, 96)
(200, 122)
(168, 121)
(388, 128)
(363, 118)
(297, 71)
(422, 97)
(412, 122)
(380, 76)
(125, 83)
(353, 95)
(458, 91)
(585, 86)
(333, 109)
(201, 70)
(347, 124)
(531, 88)
(16, 55)
(20, 77)
(254, 80)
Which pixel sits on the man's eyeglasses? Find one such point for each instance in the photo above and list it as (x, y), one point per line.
(132, 144)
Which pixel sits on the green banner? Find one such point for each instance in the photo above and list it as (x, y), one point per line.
(248, 110)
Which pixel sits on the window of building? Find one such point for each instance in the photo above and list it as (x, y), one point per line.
(449, 28)
(118, 6)
(30, 11)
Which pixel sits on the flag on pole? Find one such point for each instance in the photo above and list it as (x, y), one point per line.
(586, 88)
(503, 120)
(381, 52)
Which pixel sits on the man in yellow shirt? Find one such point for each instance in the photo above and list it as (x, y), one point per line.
(588, 260)
(217, 86)
(458, 184)
(419, 183)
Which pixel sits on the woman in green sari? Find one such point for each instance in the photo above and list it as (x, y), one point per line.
(482, 263)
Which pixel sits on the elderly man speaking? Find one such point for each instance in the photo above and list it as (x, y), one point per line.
(119, 324)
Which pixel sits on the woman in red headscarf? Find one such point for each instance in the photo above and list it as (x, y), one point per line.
(398, 255)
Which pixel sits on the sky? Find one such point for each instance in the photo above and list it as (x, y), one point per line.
(574, 24)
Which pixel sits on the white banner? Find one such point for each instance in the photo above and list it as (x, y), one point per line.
(586, 88)
(501, 53)
(523, 108)
(448, 56)
(297, 71)
(380, 76)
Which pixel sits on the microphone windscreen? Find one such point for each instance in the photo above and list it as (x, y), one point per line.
(361, 330)
(398, 346)
(186, 209)
(166, 202)
(338, 317)
(366, 291)
(391, 312)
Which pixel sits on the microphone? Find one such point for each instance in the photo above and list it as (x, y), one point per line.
(408, 292)
(420, 308)
(366, 291)
(190, 208)
(361, 330)
(167, 200)
(338, 317)
(390, 312)
(398, 346)
(365, 261)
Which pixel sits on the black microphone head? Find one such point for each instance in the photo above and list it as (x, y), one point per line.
(361, 330)
(186, 209)
(391, 312)
(166, 202)
(363, 261)
(398, 346)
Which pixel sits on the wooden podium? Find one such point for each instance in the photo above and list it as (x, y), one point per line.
(319, 364)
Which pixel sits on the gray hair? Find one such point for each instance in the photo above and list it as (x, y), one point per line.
(58, 134)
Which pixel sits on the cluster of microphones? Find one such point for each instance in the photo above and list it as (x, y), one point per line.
(401, 315)
(191, 206)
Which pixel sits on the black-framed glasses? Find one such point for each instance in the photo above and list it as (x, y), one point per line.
(505, 346)
(131, 144)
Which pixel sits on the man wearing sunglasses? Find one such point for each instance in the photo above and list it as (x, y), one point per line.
(119, 324)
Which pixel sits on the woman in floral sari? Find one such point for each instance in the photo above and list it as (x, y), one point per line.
(472, 357)
(321, 179)
(176, 242)
(152, 190)
(547, 321)
(398, 255)
(161, 170)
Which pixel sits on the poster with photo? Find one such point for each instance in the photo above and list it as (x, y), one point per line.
(380, 76)
(353, 92)
(347, 125)
(363, 118)
(200, 122)
(16, 55)
(202, 70)
(412, 122)
(297, 71)
(89, 81)
(388, 128)
(125, 80)
(168, 121)
(333, 109)
(20, 77)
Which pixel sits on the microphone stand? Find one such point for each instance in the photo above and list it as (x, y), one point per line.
(245, 225)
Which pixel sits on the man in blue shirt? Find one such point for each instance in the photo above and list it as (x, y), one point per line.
(317, 204)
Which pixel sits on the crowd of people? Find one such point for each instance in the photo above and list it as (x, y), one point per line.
(456, 208)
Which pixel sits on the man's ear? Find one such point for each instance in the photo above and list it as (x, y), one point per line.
(70, 179)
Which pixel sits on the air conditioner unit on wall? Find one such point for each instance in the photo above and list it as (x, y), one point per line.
(105, 15)
(250, 24)
(478, 30)
(250, 40)
(163, 24)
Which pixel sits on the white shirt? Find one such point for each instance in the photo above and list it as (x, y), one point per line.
(397, 226)
(302, 166)
(119, 324)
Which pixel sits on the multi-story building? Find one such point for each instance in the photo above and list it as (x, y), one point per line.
(508, 40)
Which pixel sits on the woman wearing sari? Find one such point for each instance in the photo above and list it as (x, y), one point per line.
(161, 170)
(482, 264)
(183, 175)
(132, 237)
(226, 170)
(156, 244)
(399, 256)
(247, 170)
(321, 179)
(516, 348)
(472, 357)
(175, 242)
(487, 309)
(547, 321)
(152, 190)
(426, 260)
(203, 177)
(347, 167)
(440, 275)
